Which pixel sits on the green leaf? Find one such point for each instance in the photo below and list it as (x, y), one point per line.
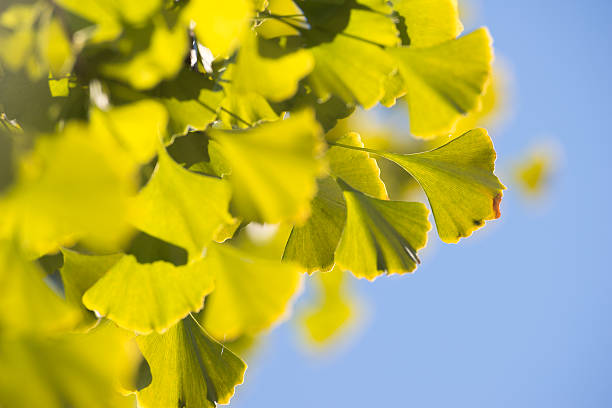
(27, 304)
(219, 25)
(313, 244)
(242, 109)
(250, 294)
(352, 69)
(189, 368)
(459, 182)
(181, 207)
(149, 297)
(380, 236)
(139, 127)
(79, 273)
(429, 22)
(69, 370)
(69, 187)
(266, 69)
(445, 81)
(55, 47)
(272, 28)
(273, 178)
(191, 99)
(151, 56)
(333, 311)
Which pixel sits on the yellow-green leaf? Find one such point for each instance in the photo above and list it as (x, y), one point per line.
(149, 297)
(181, 207)
(56, 47)
(189, 368)
(445, 81)
(219, 25)
(275, 78)
(380, 236)
(429, 22)
(26, 302)
(250, 294)
(79, 273)
(312, 245)
(273, 167)
(76, 370)
(459, 182)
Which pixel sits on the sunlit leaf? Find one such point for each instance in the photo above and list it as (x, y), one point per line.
(219, 25)
(76, 370)
(250, 294)
(181, 207)
(189, 368)
(56, 47)
(149, 297)
(192, 101)
(271, 27)
(69, 188)
(313, 244)
(429, 22)
(79, 273)
(273, 167)
(444, 81)
(152, 57)
(26, 302)
(264, 68)
(459, 182)
(334, 310)
(380, 236)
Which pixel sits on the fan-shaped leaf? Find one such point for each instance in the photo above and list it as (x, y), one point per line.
(147, 297)
(459, 182)
(273, 167)
(380, 236)
(189, 368)
(445, 81)
(250, 294)
(181, 207)
(429, 22)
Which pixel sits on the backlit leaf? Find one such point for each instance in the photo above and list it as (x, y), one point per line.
(444, 81)
(459, 182)
(189, 368)
(149, 297)
(429, 22)
(181, 207)
(380, 236)
(273, 167)
(250, 294)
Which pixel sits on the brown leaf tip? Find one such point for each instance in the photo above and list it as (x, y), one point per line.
(496, 201)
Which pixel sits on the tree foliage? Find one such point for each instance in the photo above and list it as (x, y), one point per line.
(140, 140)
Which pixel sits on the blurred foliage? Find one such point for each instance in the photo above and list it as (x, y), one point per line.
(183, 163)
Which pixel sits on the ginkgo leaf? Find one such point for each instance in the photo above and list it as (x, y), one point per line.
(79, 273)
(271, 27)
(459, 182)
(152, 57)
(445, 81)
(138, 128)
(250, 294)
(429, 22)
(149, 297)
(334, 310)
(181, 207)
(352, 69)
(56, 47)
(273, 177)
(26, 302)
(242, 109)
(192, 101)
(219, 25)
(69, 187)
(380, 236)
(267, 70)
(313, 244)
(76, 370)
(189, 368)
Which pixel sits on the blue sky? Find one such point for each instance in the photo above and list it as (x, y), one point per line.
(519, 315)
